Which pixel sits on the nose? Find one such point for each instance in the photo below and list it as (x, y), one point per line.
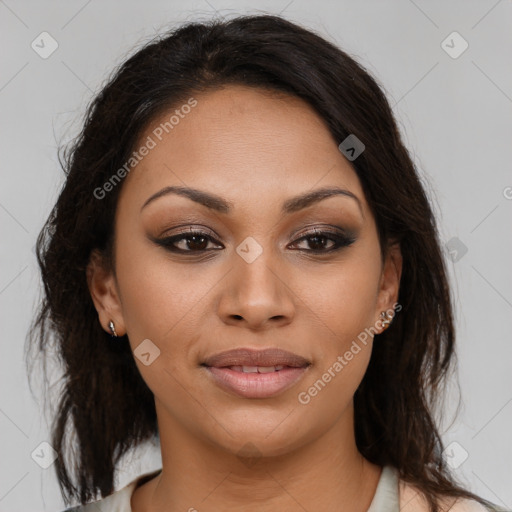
(256, 295)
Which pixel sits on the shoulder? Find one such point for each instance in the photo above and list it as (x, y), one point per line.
(119, 501)
(412, 500)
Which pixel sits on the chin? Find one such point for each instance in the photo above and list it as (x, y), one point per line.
(256, 439)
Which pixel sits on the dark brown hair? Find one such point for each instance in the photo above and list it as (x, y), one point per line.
(103, 400)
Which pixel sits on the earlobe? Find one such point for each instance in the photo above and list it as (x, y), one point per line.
(389, 284)
(103, 290)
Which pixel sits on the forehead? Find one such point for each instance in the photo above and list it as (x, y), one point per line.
(240, 142)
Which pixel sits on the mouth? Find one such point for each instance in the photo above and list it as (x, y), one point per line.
(256, 373)
(257, 369)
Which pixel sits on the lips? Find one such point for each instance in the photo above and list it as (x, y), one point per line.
(271, 357)
(256, 373)
(258, 369)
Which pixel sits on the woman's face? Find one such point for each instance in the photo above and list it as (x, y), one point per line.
(272, 266)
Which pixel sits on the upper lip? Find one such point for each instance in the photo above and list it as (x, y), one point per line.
(252, 357)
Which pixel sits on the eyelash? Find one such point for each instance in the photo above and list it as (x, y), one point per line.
(340, 241)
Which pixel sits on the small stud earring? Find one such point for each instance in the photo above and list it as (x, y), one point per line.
(112, 329)
(386, 319)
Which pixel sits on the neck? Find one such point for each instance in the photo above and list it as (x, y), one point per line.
(327, 474)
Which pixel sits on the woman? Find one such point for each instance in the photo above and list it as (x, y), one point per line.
(243, 264)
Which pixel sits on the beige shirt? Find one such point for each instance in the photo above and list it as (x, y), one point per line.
(391, 495)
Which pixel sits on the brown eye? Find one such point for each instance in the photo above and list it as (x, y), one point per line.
(324, 241)
(191, 241)
(199, 241)
(195, 242)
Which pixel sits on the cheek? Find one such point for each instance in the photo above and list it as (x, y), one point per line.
(161, 299)
(329, 392)
(162, 302)
(343, 299)
(344, 296)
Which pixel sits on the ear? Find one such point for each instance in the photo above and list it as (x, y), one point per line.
(104, 293)
(390, 280)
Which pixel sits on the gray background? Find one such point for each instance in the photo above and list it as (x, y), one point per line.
(455, 116)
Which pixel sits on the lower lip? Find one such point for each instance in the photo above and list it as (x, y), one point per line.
(256, 385)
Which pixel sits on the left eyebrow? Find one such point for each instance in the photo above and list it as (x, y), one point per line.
(219, 204)
(303, 201)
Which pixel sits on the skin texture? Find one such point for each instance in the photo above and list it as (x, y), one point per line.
(256, 150)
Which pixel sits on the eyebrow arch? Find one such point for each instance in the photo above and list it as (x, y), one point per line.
(219, 204)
